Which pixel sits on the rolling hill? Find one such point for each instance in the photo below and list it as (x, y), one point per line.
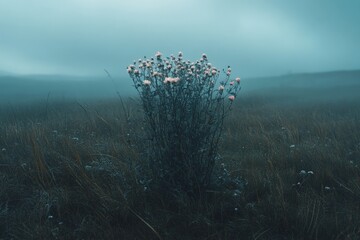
(307, 86)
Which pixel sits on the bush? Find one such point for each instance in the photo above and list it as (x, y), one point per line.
(184, 107)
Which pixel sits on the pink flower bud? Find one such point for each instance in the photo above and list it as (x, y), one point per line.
(231, 83)
(213, 72)
(232, 98)
(167, 80)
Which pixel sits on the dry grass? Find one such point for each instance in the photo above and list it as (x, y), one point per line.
(73, 171)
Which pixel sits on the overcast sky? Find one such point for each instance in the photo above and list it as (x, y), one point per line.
(254, 37)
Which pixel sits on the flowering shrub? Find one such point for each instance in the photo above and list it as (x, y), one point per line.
(184, 105)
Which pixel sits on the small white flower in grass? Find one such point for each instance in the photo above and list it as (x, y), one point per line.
(237, 80)
(236, 193)
(302, 172)
(88, 168)
(236, 209)
(213, 72)
(221, 88)
(310, 172)
(232, 98)
(292, 146)
(231, 83)
(204, 56)
(146, 82)
(180, 54)
(3, 149)
(327, 188)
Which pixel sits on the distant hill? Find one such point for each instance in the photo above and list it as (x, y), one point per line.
(14, 89)
(307, 80)
(5, 73)
(310, 86)
(306, 87)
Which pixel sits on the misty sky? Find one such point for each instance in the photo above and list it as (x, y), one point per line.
(254, 37)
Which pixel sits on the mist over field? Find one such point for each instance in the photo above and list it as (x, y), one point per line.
(306, 88)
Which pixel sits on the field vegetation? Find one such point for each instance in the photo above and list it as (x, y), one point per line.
(289, 169)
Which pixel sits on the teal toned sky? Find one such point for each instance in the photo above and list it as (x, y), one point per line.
(254, 37)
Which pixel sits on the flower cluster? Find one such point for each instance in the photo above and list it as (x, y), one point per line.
(171, 80)
(158, 70)
(184, 105)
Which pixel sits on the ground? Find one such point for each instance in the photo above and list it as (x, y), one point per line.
(289, 167)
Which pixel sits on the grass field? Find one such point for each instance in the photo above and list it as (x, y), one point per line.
(289, 167)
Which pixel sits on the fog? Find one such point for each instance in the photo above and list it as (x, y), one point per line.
(79, 39)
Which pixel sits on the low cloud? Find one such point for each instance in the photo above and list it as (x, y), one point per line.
(258, 38)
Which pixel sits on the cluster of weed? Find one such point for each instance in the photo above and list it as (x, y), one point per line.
(184, 108)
